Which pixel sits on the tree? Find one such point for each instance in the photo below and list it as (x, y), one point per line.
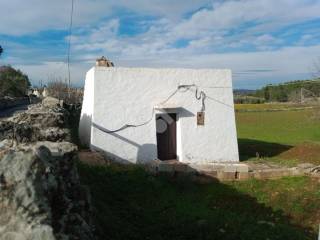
(282, 94)
(1, 50)
(267, 93)
(13, 82)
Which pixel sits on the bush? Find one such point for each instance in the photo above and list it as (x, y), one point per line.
(13, 82)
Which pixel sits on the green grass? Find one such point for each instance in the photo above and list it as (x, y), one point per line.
(286, 127)
(132, 204)
(272, 106)
(271, 134)
(298, 197)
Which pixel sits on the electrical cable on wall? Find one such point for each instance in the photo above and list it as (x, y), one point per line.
(124, 126)
(199, 96)
(186, 87)
(202, 96)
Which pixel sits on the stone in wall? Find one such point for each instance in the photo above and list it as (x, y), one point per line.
(41, 196)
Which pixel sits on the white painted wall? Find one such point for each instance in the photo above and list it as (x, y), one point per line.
(87, 109)
(128, 96)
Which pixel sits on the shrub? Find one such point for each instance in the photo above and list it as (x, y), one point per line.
(13, 82)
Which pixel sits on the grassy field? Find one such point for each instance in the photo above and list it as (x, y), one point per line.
(286, 137)
(132, 204)
(272, 106)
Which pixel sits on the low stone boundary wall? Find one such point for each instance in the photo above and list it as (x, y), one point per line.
(215, 171)
(41, 196)
(231, 171)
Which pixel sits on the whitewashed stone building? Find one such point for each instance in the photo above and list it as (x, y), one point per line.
(141, 114)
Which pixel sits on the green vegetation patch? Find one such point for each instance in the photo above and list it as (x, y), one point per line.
(132, 204)
(271, 107)
(290, 91)
(284, 137)
(298, 197)
(13, 82)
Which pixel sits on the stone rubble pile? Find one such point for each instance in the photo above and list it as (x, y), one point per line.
(40, 193)
(38, 123)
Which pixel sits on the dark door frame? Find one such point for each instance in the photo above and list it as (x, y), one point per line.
(166, 130)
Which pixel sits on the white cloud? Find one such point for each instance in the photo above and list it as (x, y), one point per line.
(105, 31)
(268, 15)
(248, 68)
(23, 17)
(304, 39)
(206, 32)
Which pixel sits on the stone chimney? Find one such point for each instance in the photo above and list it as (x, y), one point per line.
(103, 62)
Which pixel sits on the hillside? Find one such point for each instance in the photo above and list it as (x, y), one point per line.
(296, 91)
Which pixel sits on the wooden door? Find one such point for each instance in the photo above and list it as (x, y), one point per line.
(166, 136)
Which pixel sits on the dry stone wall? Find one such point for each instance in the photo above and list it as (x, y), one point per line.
(40, 193)
(38, 123)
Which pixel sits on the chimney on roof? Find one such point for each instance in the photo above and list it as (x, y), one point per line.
(103, 62)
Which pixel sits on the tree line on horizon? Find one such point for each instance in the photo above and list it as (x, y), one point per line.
(290, 91)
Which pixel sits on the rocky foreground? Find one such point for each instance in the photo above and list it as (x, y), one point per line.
(40, 193)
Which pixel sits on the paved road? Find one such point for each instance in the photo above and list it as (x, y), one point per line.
(4, 113)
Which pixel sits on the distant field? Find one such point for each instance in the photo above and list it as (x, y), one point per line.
(285, 136)
(272, 106)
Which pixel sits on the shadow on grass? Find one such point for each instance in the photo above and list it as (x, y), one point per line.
(249, 148)
(132, 204)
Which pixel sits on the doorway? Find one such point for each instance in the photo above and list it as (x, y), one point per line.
(166, 127)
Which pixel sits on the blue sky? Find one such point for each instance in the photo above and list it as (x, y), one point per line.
(262, 41)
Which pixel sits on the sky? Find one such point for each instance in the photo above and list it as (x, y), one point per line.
(261, 41)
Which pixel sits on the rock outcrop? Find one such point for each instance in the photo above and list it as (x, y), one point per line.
(41, 196)
(40, 193)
